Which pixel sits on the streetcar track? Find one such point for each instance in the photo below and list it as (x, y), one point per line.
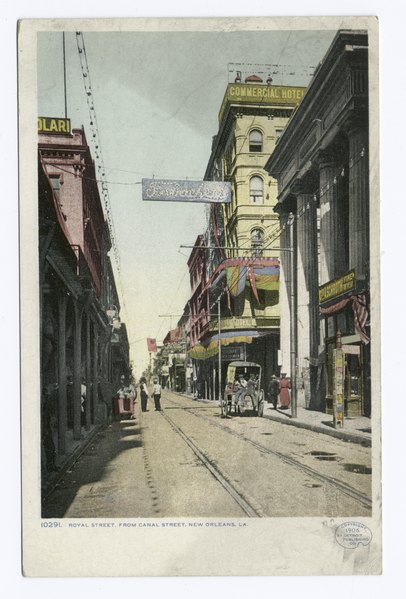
(214, 470)
(343, 487)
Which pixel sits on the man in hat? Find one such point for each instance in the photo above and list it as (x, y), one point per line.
(273, 391)
(157, 395)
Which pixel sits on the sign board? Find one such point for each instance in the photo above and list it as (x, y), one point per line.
(244, 322)
(351, 349)
(338, 388)
(163, 190)
(48, 124)
(337, 287)
(230, 353)
(266, 95)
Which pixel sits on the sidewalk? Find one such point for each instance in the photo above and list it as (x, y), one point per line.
(74, 448)
(355, 430)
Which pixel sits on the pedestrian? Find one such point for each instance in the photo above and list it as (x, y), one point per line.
(144, 394)
(284, 391)
(83, 403)
(251, 390)
(132, 392)
(157, 395)
(273, 391)
(106, 392)
(229, 394)
(120, 397)
(241, 392)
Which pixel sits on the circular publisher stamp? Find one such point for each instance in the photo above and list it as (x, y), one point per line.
(352, 534)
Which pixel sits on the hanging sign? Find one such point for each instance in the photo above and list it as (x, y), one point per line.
(230, 353)
(163, 190)
(338, 390)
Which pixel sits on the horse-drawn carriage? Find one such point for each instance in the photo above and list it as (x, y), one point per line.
(243, 392)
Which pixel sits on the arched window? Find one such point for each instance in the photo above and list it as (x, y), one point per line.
(256, 190)
(255, 141)
(257, 242)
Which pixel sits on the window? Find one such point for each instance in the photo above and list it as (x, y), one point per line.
(278, 133)
(256, 190)
(257, 242)
(255, 141)
(55, 182)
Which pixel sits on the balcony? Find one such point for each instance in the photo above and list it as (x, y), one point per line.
(86, 268)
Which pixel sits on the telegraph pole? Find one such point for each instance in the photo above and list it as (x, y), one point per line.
(292, 321)
(219, 352)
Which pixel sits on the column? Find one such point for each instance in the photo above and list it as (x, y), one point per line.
(330, 251)
(307, 283)
(62, 402)
(359, 201)
(95, 369)
(89, 390)
(77, 375)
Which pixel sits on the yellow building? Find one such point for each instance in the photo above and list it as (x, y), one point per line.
(243, 236)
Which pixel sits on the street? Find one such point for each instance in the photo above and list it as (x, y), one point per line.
(186, 461)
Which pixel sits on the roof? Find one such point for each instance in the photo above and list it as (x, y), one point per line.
(253, 78)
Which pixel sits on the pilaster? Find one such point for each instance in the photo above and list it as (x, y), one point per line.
(358, 201)
(77, 375)
(62, 401)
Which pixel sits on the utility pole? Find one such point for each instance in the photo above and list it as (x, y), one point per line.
(219, 352)
(291, 221)
(64, 75)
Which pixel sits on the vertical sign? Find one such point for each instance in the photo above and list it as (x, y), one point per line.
(338, 391)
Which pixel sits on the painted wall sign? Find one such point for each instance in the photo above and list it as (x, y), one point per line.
(186, 191)
(337, 287)
(48, 124)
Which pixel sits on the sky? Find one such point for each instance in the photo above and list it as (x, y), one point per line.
(157, 96)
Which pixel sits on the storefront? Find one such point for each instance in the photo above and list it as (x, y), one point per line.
(344, 306)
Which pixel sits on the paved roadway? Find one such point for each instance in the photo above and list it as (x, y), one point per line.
(187, 461)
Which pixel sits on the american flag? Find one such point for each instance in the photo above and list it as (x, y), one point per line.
(151, 343)
(360, 307)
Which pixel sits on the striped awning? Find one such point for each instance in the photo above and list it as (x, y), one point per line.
(259, 273)
(208, 350)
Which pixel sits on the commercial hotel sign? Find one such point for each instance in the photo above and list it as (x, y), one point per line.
(186, 191)
(337, 287)
(247, 93)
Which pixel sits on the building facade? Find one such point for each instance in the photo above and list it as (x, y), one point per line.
(321, 165)
(241, 293)
(80, 325)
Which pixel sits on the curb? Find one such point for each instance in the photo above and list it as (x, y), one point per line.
(338, 434)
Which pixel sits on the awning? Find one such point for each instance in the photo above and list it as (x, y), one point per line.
(361, 308)
(203, 352)
(260, 273)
